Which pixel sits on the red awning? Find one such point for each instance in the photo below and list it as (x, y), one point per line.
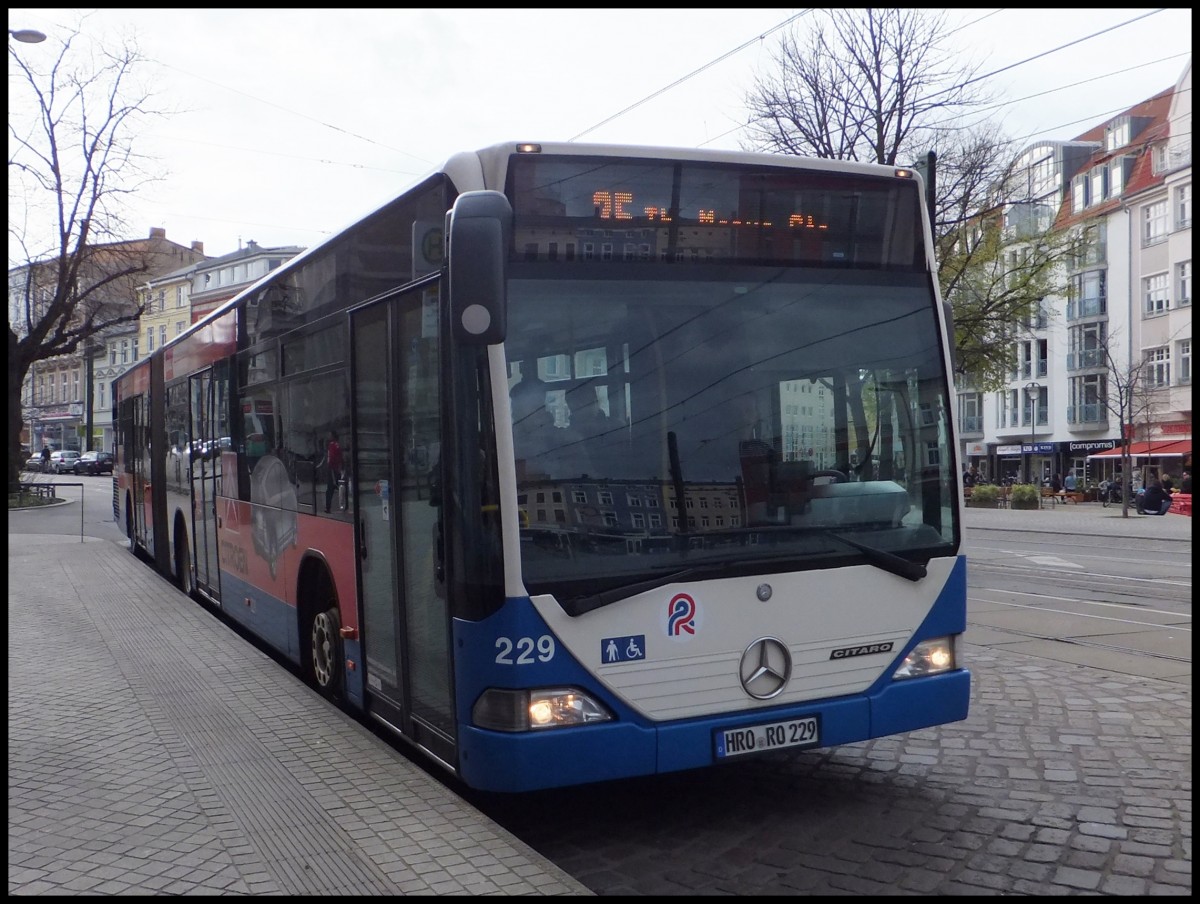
(1176, 448)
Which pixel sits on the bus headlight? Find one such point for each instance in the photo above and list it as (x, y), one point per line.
(929, 657)
(527, 710)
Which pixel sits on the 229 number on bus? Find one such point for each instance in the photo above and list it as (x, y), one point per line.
(771, 736)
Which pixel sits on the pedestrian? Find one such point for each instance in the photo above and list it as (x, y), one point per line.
(1185, 485)
(333, 468)
(1155, 500)
(1069, 482)
(1056, 483)
(45, 459)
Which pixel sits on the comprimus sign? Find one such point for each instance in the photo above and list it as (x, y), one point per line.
(1092, 446)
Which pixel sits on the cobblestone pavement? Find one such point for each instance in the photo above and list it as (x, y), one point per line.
(1062, 780)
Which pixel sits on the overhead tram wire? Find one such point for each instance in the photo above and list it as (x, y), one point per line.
(680, 81)
(938, 126)
(1013, 66)
(1038, 56)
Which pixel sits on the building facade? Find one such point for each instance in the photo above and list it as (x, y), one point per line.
(60, 397)
(1124, 326)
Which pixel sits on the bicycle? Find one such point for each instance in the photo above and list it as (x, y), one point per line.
(1110, 495)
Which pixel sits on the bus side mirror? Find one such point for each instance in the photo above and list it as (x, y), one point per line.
(478, 236)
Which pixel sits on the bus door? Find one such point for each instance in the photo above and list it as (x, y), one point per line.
(205, 465)
(396, 444)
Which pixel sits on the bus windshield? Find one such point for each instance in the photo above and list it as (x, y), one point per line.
(755, 420)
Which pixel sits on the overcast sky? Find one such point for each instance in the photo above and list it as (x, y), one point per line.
(298, 122)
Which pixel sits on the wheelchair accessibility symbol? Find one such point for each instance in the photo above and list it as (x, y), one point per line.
(623, 649)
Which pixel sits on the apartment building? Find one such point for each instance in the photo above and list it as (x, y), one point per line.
(219, 279)
(56, 392)
(1127, 183)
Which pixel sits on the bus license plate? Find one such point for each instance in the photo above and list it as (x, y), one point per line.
(771, 736)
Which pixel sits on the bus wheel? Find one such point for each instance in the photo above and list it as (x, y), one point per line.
(327, 652)
(183, 563)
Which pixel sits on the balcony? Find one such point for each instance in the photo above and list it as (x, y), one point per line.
(1092, 415)
(1092, 357)
(1087, 307)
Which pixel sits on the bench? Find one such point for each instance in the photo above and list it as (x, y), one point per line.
(41, 490)
(1062, 496)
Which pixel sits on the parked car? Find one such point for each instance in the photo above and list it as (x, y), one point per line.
(94, 462)
(63, 461)
(34, 464)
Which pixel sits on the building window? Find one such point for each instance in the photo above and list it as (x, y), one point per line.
(1157, 294)
(1118, 134)
(100, 392)
(1184, 353)
(75, 386)
(149, 339)
(1183, 206)
(1158, 367)
(178, 327)
(1008, 409)
(1089, 294)
(970, 412)
(1079, 194)
(1099, 184)
(1161, 158)
(1116, 177)
(112, 356)
(65, 397)
(1087, 405)
(179, 297)
(162, 334)
(162, 300)
(1154, 222)
(1086, 344)
(1183, 283)
(125, 351)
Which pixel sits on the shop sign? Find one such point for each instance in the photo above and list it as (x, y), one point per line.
(1092, 446)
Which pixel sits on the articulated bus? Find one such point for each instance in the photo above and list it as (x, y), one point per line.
(648, 462)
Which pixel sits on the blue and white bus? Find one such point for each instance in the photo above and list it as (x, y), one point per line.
(648, 462)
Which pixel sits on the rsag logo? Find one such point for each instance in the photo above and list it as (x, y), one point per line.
(681, 616)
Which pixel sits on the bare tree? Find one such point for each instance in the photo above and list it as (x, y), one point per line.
(885, 85)
(1130, 400)
(72, 127)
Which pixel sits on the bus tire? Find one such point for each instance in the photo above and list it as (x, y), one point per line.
(183, 562)
(326, 657)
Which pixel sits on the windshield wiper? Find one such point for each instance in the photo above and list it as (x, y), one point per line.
(723, 567)
(881, 558)
(581, 604)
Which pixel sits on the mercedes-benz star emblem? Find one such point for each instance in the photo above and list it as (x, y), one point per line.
(766, 668)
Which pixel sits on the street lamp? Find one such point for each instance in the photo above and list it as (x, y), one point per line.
(27, 35)
(1032, 391)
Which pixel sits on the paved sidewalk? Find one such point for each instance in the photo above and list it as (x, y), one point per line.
(1085, 518)
(151, 750)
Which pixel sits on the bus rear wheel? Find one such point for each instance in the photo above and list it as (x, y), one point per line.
(326, 638)
(183, 562)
